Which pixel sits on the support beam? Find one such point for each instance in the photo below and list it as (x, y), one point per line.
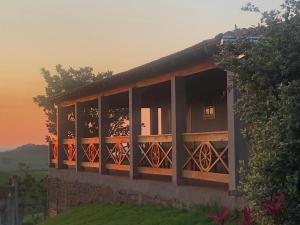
(79, 133)
(189, 118)
(166, 119)
(153, 120)
(103, 132)
(135, 130)
(61, 125)
(178, 117)
(232, 133)
(160, 78)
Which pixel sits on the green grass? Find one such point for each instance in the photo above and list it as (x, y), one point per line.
(32, 219)
(127, 214)
(5, 176)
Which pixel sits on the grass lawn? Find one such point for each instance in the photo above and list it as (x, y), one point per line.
(127, 214)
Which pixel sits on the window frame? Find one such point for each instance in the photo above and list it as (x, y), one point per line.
(209, 116)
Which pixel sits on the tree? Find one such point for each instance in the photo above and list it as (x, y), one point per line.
(267, 78)
(64, 80)
(32, 195)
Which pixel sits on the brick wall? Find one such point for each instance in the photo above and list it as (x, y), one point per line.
(66, 189)
(63, 195)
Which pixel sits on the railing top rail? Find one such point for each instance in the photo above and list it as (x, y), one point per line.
(116, 139)
(155, 138)
(93, 140)
(68, 141)
(203, 136)
(206, 136)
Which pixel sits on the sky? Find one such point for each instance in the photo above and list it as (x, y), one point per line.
(104, 34)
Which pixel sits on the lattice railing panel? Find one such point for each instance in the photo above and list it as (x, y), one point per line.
(91, 150)
(117, 150)
(207, 152)
(156, 151)
(69, 149)
(206, 157)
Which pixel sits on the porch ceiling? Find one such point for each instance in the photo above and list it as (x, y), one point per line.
(188, 57)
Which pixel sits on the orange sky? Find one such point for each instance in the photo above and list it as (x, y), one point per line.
(104, 34)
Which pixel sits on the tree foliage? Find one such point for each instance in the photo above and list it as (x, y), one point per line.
(64, 80)
(267, 78)
(32, 197)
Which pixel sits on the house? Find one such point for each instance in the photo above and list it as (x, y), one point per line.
(163, 133)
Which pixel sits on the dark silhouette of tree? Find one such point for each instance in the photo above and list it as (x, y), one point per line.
(67, 79)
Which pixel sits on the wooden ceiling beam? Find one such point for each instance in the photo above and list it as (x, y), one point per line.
(155, 79)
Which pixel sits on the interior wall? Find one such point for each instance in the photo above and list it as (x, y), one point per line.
(219, 123)
(157, 97)
(202, 89)
(145, 120)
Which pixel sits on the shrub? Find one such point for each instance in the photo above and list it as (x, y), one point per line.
(267, 78)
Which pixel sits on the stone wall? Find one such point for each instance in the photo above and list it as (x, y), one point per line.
(66, 189)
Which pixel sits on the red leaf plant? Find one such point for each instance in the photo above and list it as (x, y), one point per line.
(274, 206)
(219, 218)
(247, 218)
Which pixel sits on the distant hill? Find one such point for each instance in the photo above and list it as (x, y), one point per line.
(29, 157)
(3, 149)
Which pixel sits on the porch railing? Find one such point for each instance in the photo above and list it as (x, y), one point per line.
(156, 154)
(206, 156)
(69, 152)
(90, 152)
(117, 150)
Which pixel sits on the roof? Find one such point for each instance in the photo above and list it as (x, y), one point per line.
(189, 56)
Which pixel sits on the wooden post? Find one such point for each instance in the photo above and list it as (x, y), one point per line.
(60, 135)
(135, 129)
(153, 120)
(16, 201)
(178, 126)
(166, 119)
(103, 131)
(9, 209)
(232, 129)
(79, 132)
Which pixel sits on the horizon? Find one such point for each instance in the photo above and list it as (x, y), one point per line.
(39, 35)
(9, 148)
(4, 149)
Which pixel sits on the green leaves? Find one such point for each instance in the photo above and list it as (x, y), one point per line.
(268, 81)
(33, 197)
(63, 80)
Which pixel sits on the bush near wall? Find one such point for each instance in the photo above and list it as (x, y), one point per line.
(267, 78)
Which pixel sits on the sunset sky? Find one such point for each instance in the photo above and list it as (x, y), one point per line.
(104, 34)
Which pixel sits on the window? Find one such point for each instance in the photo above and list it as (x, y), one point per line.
(209, 112)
